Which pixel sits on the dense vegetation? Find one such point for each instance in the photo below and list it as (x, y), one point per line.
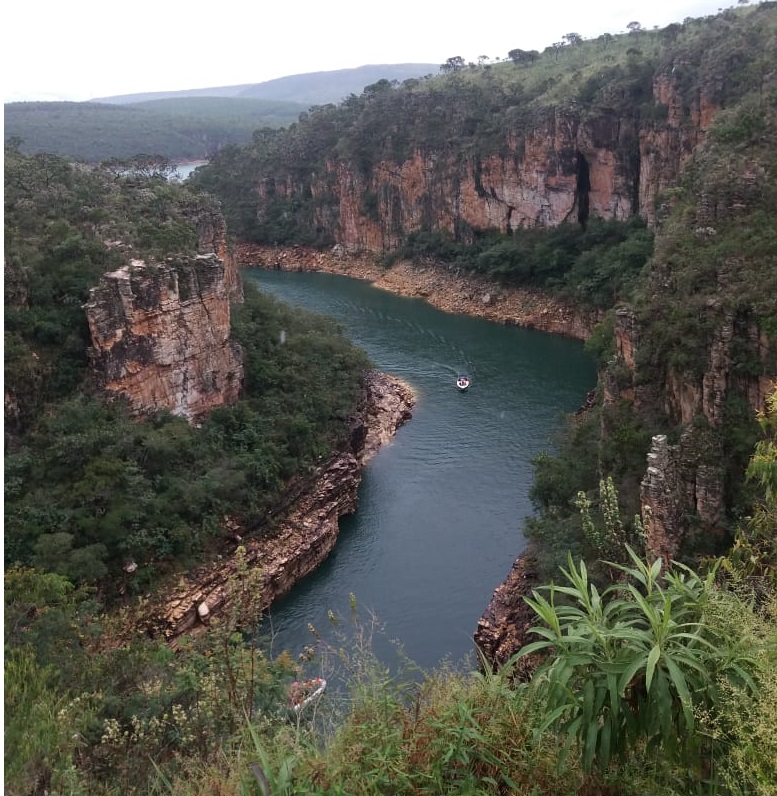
(88, 489)
(596, 265)
(179, 129)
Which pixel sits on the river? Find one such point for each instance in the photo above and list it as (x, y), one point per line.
(442, 507)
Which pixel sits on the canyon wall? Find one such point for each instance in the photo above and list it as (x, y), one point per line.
(688, 478)
(161, 336)
(570, 164)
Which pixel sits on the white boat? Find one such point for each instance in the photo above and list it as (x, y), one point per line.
(305, 692)
(462, 382)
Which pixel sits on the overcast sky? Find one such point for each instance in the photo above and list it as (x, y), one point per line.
(77, 50)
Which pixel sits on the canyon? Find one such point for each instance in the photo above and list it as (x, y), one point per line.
(680, 479)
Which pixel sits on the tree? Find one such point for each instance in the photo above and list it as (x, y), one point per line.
(634, 27)
(454, 64)
(151, 166)
(573, 39)
(523, 56)
(557, 47)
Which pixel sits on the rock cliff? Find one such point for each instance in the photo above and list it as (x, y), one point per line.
(161, 336)
(295, 541)
(212, 238)
(504, 626)
(569, 164)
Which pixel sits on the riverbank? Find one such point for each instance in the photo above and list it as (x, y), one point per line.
(450, 289)
(303, 533)
(502, 628)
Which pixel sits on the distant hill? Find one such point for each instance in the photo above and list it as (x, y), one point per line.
(185, 125)
(312, 88)
(190, 128)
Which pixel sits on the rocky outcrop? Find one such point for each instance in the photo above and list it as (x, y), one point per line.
(212, 239)
(505, 624)
(660, 498)
(666, 146)
(295, 541)
(161, 336)
(448, 289)
(688, 479)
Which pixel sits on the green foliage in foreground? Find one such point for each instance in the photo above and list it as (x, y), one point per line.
(666, 680)
(137, 719)
(636, 663)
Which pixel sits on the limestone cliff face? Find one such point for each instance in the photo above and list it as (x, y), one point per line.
(303, 535)
(688, 478)
(160, 336)
(212, 239)
(570, 165)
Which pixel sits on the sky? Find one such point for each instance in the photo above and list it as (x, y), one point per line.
(82, 49)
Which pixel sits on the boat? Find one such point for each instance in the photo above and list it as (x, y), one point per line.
(303, 693)
(462, 382)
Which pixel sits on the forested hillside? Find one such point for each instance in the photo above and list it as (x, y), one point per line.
(310, 88)
(181, 129)
(184, 125)
(87, 488)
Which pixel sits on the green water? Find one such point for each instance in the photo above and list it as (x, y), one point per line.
(442, 507)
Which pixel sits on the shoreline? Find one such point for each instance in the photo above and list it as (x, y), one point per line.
(448, 288)
(304, 532)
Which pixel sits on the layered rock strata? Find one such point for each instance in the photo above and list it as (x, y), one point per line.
(505, 624)
(301, 536)
(688, 478)
(448, 289)
(161, 336)
(566, 165)
(212, 238)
